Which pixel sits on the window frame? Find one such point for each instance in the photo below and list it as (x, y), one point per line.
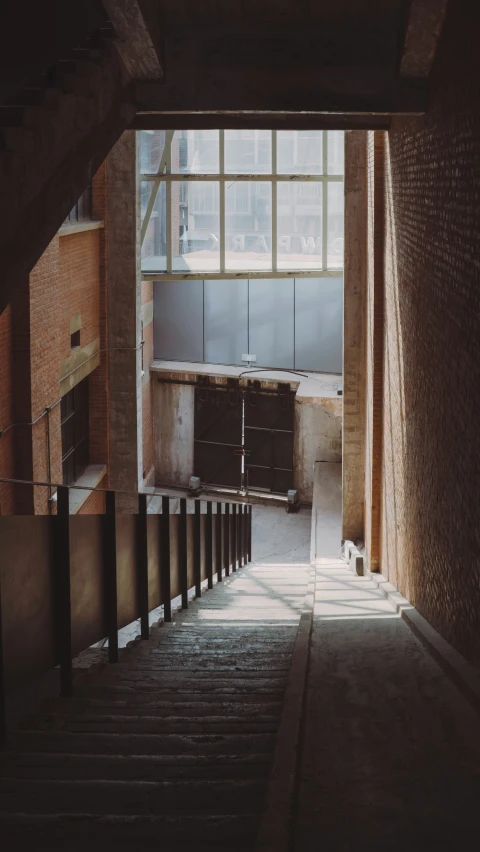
(75, 414)
(166, 176)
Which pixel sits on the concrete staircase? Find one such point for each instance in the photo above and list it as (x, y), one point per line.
(172, 745)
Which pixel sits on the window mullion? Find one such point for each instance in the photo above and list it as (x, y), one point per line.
(274, 203)
(222, 199)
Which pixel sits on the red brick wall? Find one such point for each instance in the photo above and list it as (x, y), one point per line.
(431, 459)
(374, 338)
(147, 394)
(6, 413)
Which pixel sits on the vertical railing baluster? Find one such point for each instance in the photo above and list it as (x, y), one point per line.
(182, 552)
(142, 565)
(226, 542)
(110, 568)
(218, 543)
(64, 591)
(250, 533)
(245, 536)
(209, 545)
(234, 536)
(197, 564)
(240, 535)
(165, 559)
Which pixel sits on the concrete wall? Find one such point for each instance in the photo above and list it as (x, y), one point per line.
(318, 438)
(173, 412)
(430, 546)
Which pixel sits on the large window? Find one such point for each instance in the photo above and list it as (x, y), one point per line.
(74, 421)
(217, 202)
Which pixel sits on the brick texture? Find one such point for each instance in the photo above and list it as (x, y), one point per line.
(431, 457)
(148, 447)
(6, 413)
(374, 339)
(69, 279)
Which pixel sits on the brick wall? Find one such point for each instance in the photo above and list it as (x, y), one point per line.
(148, 447)
(431, 458)
(374, 342)
(69, 279)
(6, 413)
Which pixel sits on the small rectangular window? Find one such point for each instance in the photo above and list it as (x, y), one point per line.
(74, 427)
(75, 339)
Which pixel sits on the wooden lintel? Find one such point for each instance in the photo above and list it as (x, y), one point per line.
(257, 121)
(239, 93)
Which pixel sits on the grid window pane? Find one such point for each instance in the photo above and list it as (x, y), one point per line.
(335, 152)
(299, 152)
(195, 152)
(154, 246)
(335, 225)
(196, 226)
(152, 146)
(248, 152)
(248, 225)
(299, 225)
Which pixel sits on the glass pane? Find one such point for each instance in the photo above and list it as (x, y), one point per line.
(178, 320)
(335, 226)
(299, 225)
(248, 152)
(154, 246)
(248, 226)
(335, 152)
(196, 226)
(152, 145)
(299, 152)
(195, 152)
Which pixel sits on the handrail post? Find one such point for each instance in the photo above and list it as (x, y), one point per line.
(142, 565)
(110, 568)
(234, 536)
(245, 536)
(240, 535)
(209, 545)
(197, 567)
(226, 540)
(250, 533)
(182, 552)
(64, 591)
(218, 543)
(165, 559)
(3, 708)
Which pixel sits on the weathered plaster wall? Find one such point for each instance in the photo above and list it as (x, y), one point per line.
(173, 411)
(318, 438)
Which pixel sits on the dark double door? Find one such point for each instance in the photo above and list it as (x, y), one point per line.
(244, 437)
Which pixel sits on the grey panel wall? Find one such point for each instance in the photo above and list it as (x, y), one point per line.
(287, 323)
(226, 321)
(271, 321)
(178, 320)
(318, 324)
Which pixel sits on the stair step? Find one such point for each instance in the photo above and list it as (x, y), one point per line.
(104, 723)
(51, 766)
(137, 697)
(79, 832)
(151, 744)
(131, 797)
(157, 706)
